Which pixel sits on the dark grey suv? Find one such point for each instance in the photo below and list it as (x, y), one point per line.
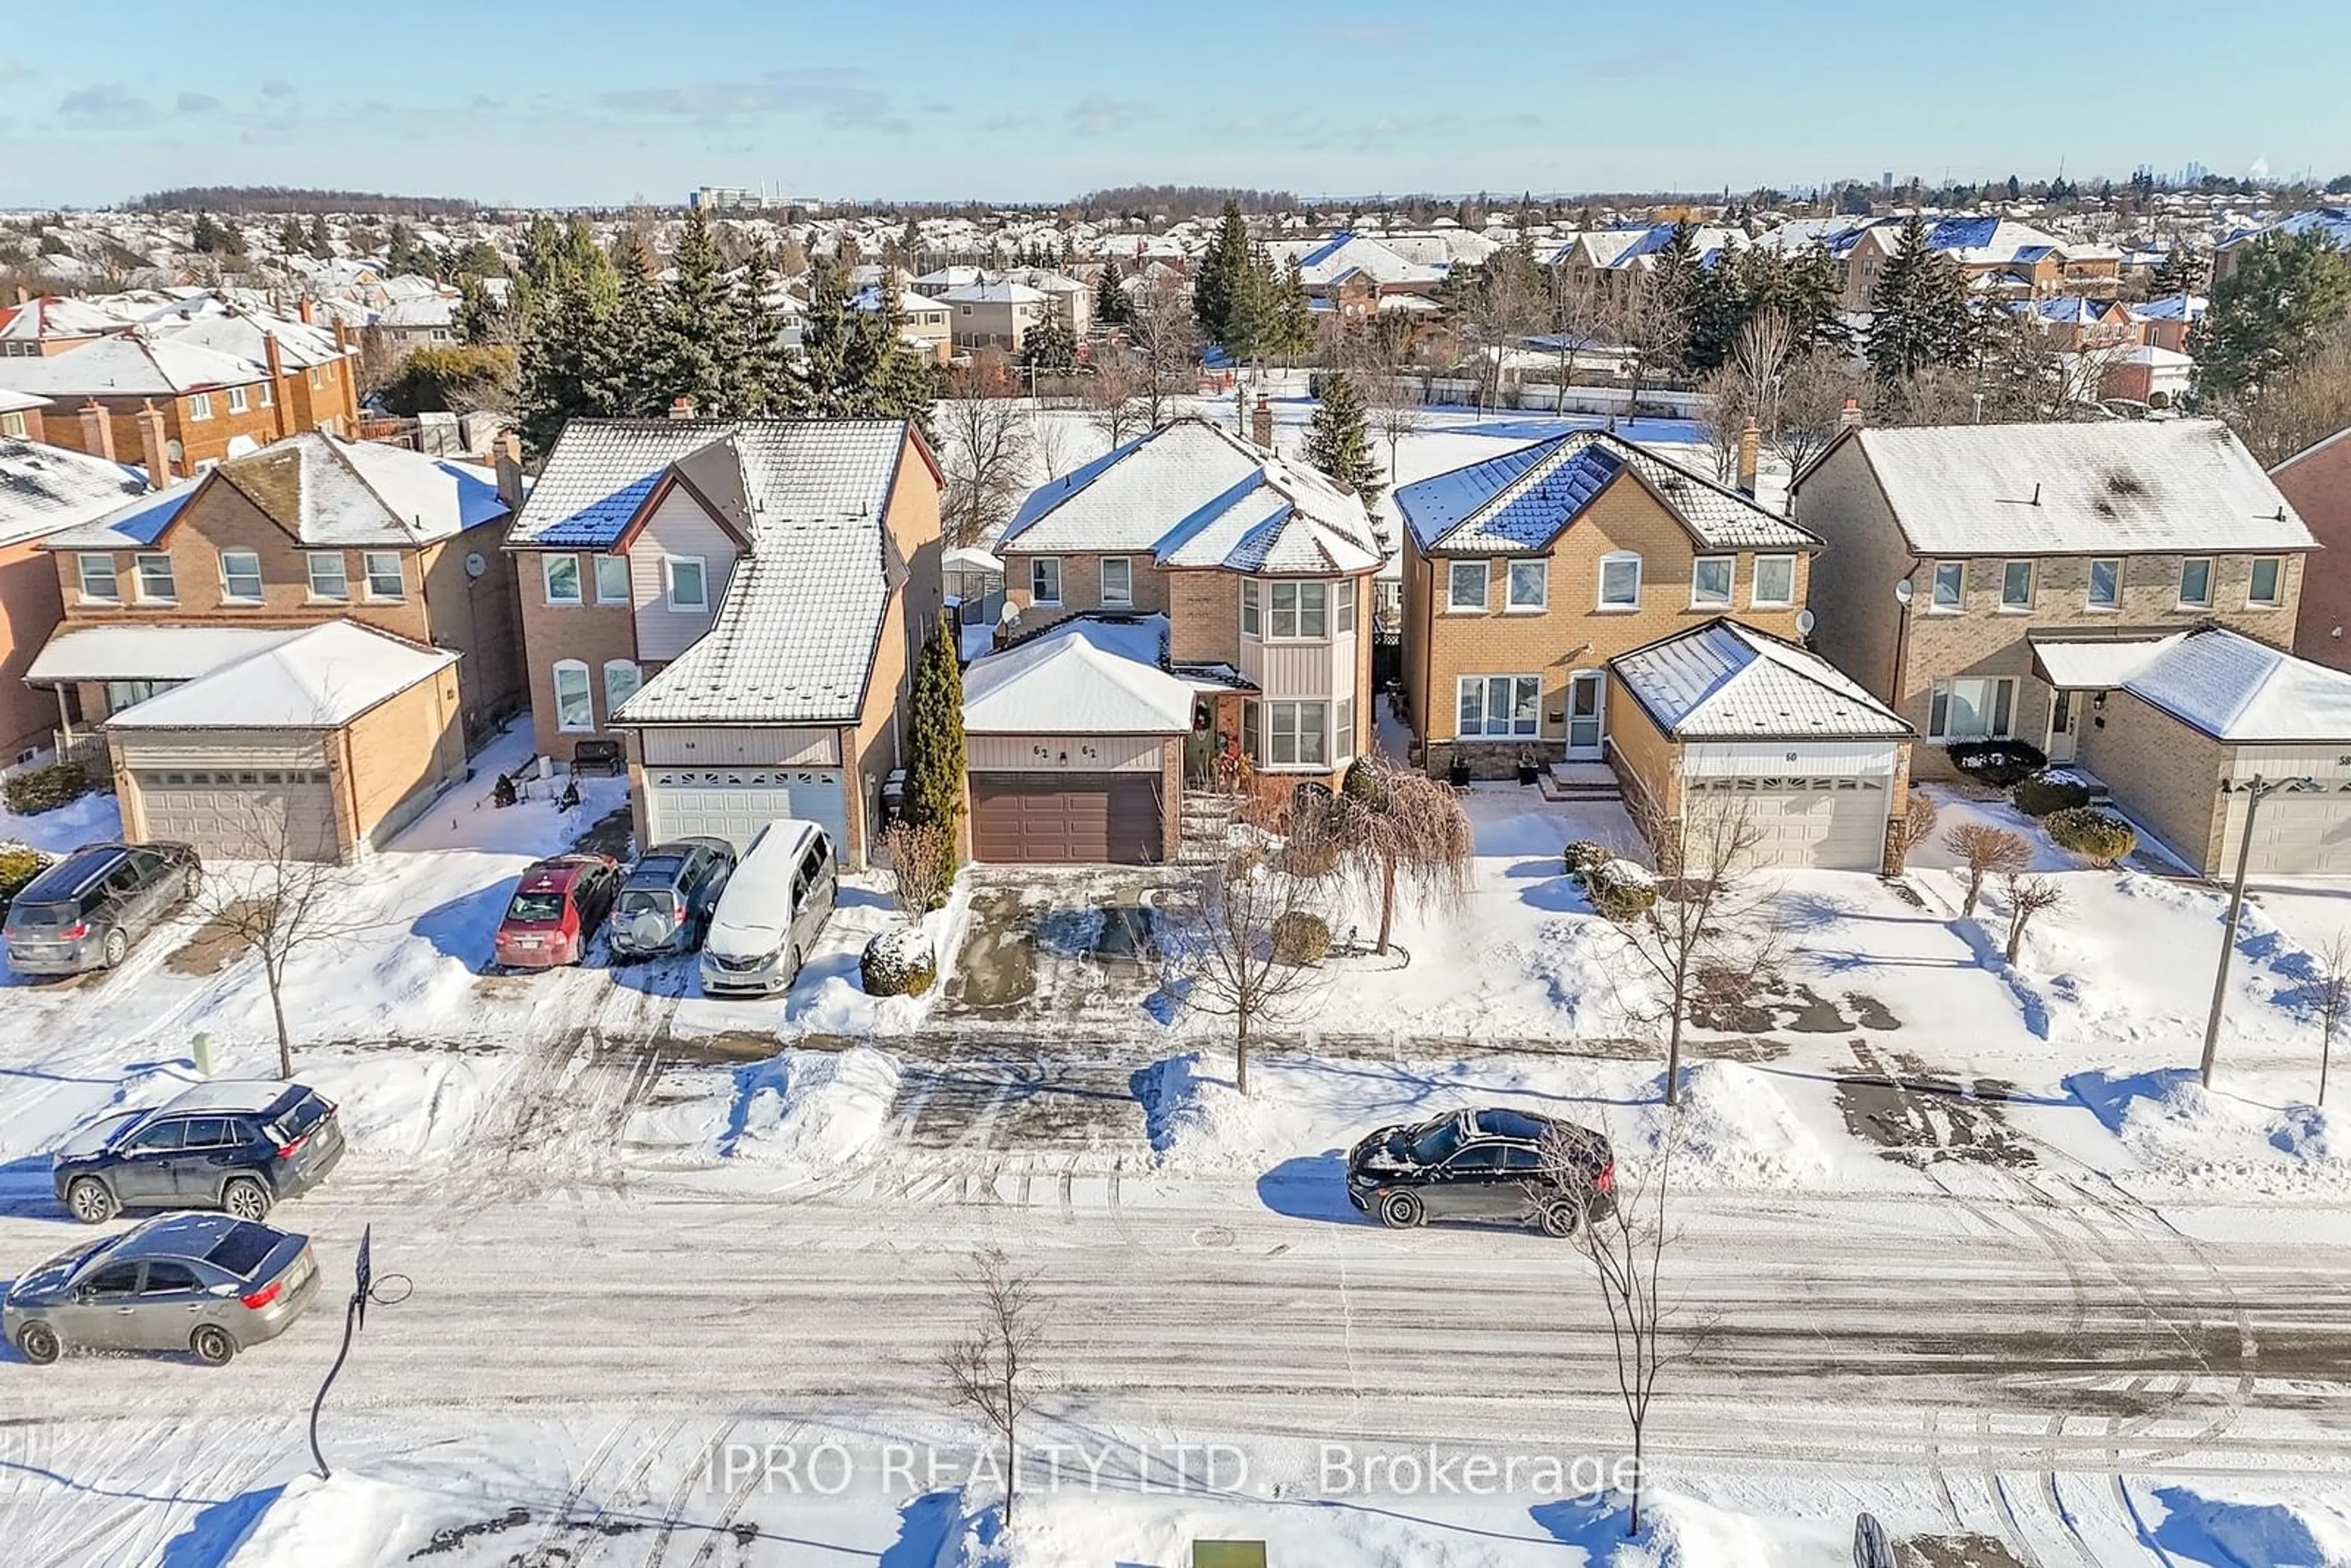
(665, 906)
(86, 911)
(233, 1144)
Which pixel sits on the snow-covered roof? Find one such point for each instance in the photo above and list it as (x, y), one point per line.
(969, 557)
(991, 294)
(1723, 681)
(1069, 685)
(1520, 501)
(2235, 689)
(418, 314)
(2097, 667)
(45, 489)
(318, 678)
(14, 402)
(1281, 519)
(133, 525)
(2128, 486)
(150, 653)
(129, 364)
(2172, 308)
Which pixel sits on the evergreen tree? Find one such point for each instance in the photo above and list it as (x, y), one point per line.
(763, 376)
(1049, 348)
(694, 339)
(480, 321)
(1337, 442)
(1293, 316)
(2180, 271)
(1220, 292)
(935, 742)
(321, 246)
(1112, 308)
(560, 370)
(402, 255)
(2281, 301)
(1921, 316)
(290, 238)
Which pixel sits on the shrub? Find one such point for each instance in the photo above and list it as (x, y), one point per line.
(1311, 859)
(38, 789)
(2102, 836)
(2045, 792)
(1300, 938)
(1912, 828)
(898, 963)
(1583, 855)
(922, 865)
(1363, 785)
(2001, 764)
(1620, 891)
(19, 864)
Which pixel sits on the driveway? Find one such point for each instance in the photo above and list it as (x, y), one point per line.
(1058, 945)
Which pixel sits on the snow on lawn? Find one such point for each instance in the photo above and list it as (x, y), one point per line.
(831, 998)
(808, 1111)
(348, 1521)
(85, 820)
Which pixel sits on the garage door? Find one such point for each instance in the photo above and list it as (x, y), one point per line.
(256, 814)
(1074, 819)
(1815, 823)
(2296, 833)
(735, 803)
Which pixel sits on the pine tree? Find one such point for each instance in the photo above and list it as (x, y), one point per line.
(290, 238)
(1049, 347)
(2281, 301)
(2180, 271)
(1337, 442)
(935, 744)
(1920, 315)
(1218, 294)
(694, 341)
(321, 246)
(1293, 329)
(1112, 306)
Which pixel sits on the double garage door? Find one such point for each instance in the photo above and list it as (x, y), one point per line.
(1051, 819)
(1822, 824)
(735, 803)
(241, 813)
(2296, 833)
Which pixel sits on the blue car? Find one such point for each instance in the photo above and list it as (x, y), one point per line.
(236, 1146)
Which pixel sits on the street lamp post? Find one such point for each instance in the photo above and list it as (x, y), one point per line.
(2256, 790)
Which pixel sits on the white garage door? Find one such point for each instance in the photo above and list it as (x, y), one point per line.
(2296, 833)
(240, 814)
(735, 803)
(1820, 824)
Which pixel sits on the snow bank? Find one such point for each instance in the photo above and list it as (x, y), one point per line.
(2184, 1134)
(1198, 1121)
(85, 820)
(1737, 1130)
(830, 998)
(397, 1105)
(349, 1521)
(2249, 1527)
(811, 1107)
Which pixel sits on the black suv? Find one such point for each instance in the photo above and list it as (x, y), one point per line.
(1497, 1164)
(84, 912)
(230, 1144)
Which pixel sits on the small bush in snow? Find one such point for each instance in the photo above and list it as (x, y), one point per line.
(1301, 939)
(898, 963)
(2046, 792)
(1583, 856)
(2003, 764)
(19, 864)
(921, 866)
(1620, 891)
(2102, 836)
(1365, 784)
(38, 789)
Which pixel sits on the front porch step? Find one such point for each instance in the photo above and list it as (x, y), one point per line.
(1566, 783)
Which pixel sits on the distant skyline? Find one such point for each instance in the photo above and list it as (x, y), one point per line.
(594, 104)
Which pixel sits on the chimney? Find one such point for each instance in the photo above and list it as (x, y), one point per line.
(97, 431)
(509, 447)
(1850, 418)
(1261, 422)
(284, 416)
(1750, 441)
(155, 445)
(304, 308)
(682, 409)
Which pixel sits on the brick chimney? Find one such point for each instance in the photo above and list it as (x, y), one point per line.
(97, 431)
(308, 312)
(682, 409)
(508, 448)
(1261, 422)
(155, 445)
(1750, 443)
(1850, 418)
(284, 417)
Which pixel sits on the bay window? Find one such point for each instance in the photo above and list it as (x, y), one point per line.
(1498, 706)
(1296, 611)
(1252, 609)
(1296, 735)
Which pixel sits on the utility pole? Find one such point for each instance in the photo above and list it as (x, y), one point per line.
(2256, 792)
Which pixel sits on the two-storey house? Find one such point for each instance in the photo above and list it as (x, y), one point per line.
(44, 490)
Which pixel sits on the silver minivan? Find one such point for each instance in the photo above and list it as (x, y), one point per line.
(775, 904)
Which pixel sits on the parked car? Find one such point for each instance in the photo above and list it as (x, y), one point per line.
(237, 1146)
(669, 897)
(86, 911)
(210, 1284)
(1495, 1165)
(778, 900)
(556, 907)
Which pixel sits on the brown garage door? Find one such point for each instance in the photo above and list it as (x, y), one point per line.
(1045, 819)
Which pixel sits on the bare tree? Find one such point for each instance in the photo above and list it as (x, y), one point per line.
(1169, 341)
(922, 865)
(1759, 357)
(2298, 407)
(1810, 409)
(992, 1370)
(1914, 827)
(2330, 984)
(1112, 395)
(1579, 314)
(1711, 923)
(2028, 897)
(1987, 852)
(1726, 407)
(1651, 323)
(1225, 950)
(1052, 441)
(1397, 825)
(1395, 409)
(984, 448)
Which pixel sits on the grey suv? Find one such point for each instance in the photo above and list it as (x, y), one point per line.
(200, 1282)
(86, 911)
(665, 906)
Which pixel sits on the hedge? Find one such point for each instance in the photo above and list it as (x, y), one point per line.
(2101, 835)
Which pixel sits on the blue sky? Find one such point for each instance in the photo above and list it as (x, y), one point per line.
(598, 102)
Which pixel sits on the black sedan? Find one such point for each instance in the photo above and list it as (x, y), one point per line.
(1496, 1165)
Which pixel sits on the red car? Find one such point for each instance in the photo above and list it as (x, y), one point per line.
(556, 907)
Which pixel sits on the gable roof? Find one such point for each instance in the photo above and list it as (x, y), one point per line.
(1521, 501)
(130, 365)
(1069, 685)
(1280, 518)
(2129, 486)
(45, 489)
(1723, 681)
(2235, 689)
(318, 678)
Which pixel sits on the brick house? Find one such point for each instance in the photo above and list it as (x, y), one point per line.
(1973, 572)
(738, 603)
(20, 415)
(1525, 574)
(307, 532)
(44, 490)
(2318, 482)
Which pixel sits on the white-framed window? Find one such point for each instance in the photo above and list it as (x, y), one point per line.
(2106, 590)
(385, 580)
(689, 586)
(1497, 705)
(612, 580)
(2265, 588)
(2195, 582)
(1296, 735)
(1775, 581)
(1465, 585)
(1297, 611)
(2016, 585)
(239, 400)
(200, 406)
(1343, 730)
(1045, 580)
(575, 706)
(1343, 594)
(241, 576)
(560, 576)
(621, 679)
(155, 585)
(1711, 578)
(330, 575)
(268, 392)
(98, 586)
(1950, 584)
(1979, 708)
(318, 376)
(13, 425)
(1620, 580)
(1528, 585)
(1117, 582)
(1252, 609)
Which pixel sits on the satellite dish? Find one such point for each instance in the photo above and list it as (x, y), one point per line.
(1805, 623)
(476, 565)
(1902, 591)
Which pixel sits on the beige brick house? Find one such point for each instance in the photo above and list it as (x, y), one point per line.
(2318, 482)
(1972, 572)
(1525, 574)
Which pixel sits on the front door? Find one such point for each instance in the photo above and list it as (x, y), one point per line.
(1587, 692)
(2063, 721)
